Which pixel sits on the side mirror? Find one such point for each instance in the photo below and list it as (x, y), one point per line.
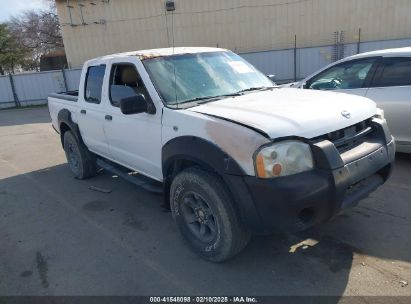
(134, 104)
(118, 92)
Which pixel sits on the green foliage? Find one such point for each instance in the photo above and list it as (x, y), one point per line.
(28, 36)
(11, 55)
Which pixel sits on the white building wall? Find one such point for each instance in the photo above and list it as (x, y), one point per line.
(112, 26)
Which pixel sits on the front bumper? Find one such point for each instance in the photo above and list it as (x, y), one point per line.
(300, 201)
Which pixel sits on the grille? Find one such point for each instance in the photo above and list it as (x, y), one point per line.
(350, 137)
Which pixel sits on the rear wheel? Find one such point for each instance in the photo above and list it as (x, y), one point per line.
(203, 210)
(81, 161)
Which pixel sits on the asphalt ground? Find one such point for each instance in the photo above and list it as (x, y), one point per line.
(58, 237)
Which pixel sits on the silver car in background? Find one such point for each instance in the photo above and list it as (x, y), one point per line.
(383, 76)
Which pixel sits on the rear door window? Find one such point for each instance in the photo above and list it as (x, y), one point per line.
(394, 72)
(94, 83)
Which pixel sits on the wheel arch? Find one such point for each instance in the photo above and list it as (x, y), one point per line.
(65, 123)
(199, 151)
(187, 151)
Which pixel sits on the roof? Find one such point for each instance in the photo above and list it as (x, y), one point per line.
(405, 51)
(144, 54)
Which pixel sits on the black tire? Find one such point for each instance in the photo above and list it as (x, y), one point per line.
(213, 230)
(81, 161)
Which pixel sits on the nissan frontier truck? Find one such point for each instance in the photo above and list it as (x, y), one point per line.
(232, 154)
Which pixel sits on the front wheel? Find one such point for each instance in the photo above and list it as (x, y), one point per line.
(81, 162)
(203, 210)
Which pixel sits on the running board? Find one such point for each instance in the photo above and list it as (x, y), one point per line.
(137, 180)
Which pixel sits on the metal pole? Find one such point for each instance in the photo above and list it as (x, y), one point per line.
(80, 6)
(69, 9)
(340, 45)
(13, 89)
(335, 47)
(359, 41)
(295, 57)
(64, 79)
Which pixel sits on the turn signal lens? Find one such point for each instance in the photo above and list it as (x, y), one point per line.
(260, 165)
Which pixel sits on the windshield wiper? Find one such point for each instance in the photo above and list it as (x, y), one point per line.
(205, 99)
(255, 89)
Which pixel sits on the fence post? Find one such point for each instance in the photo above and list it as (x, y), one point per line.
(64, 79)
(13, 89)
(341, 45)
(295, 58)
(359, 41)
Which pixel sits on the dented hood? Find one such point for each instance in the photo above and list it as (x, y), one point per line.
(292, 112)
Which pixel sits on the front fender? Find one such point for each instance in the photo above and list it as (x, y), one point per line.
(211, 157)
(200, 151)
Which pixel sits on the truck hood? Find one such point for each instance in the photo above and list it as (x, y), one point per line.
(292, 112)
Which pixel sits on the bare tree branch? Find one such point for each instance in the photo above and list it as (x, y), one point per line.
(36, 33)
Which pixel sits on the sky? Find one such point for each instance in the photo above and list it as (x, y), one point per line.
(10, 8)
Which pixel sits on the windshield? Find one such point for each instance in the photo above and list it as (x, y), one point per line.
(203, 76)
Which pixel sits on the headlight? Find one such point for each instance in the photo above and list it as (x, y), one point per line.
(283, 158)
(380, 114)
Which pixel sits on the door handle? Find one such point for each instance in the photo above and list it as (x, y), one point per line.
(108, 117)
(83, 111)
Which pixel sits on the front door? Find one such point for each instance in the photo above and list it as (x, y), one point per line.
(134, 140)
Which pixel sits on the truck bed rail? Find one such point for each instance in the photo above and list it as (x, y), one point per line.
(70, 95)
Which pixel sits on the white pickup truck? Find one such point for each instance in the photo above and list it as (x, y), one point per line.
(233, 154)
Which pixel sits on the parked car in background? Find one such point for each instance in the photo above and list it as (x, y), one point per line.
(383, 76)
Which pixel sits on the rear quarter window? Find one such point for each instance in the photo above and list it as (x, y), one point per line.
(394, 72)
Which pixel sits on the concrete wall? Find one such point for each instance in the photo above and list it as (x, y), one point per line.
(111, 26)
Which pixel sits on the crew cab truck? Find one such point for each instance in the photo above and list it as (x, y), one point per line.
(234, 155)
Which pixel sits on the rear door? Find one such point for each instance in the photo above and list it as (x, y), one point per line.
(351, 77)
(134, 140)
(391, 90)
(91, 116)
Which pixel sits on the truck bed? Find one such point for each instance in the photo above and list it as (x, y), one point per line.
(65, 100)
(69, 95)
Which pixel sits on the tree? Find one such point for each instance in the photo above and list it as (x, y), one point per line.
(36, 33)
(11, 55)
